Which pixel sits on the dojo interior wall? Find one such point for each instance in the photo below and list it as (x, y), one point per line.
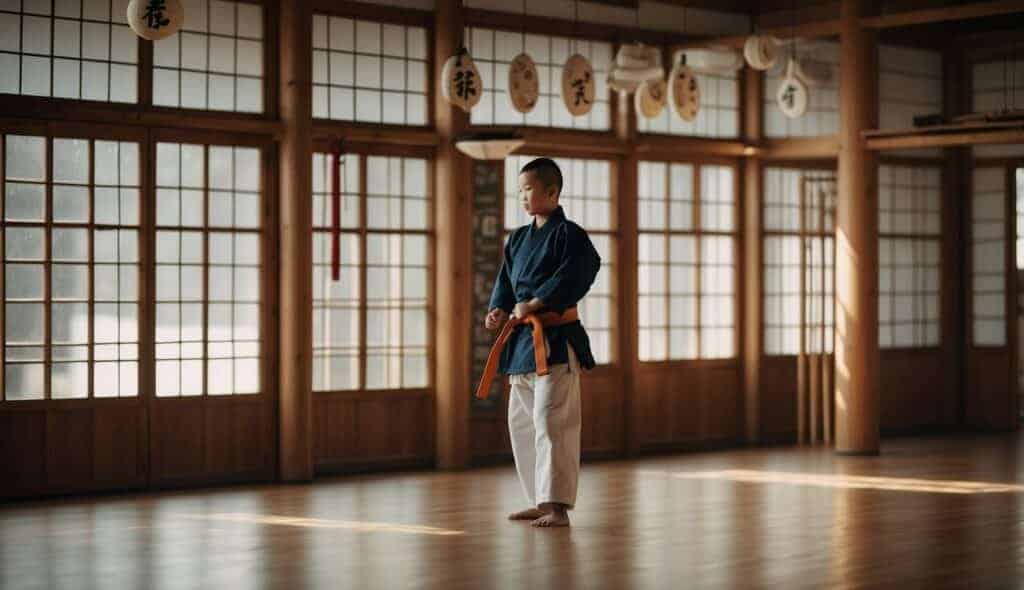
(68, 446)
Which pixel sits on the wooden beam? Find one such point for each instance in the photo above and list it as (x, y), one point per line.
(752, 268)
(452, 215)
(830, 27)
(856, 351)
(939, 15)
(810, 148)
(967, 138)
(372, 133)
(296, 308)
(652, 145)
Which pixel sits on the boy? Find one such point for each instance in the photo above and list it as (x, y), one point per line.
(548, 267)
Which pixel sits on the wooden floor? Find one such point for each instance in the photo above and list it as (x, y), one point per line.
(928, 513)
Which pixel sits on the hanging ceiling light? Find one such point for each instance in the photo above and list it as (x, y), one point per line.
(491, 145)
(635, 64)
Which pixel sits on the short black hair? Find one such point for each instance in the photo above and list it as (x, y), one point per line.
(547, 171)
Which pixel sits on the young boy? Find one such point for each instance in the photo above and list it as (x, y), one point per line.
(548, 267)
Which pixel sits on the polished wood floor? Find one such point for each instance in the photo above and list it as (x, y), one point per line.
(927, 513)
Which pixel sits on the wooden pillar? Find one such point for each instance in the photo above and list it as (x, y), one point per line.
(857, 360)
(752, 267)
(452, 219)
(626, 192)
(296, 311)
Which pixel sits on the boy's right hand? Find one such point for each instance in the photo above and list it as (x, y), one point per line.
(495, 318)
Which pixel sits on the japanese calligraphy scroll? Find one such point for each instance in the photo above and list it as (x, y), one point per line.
(487, 252)
(523, 84)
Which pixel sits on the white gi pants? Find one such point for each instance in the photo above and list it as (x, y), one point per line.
(544, 424)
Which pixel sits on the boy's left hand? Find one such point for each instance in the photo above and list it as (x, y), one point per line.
(523, 309)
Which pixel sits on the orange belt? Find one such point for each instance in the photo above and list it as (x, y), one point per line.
(540, 347)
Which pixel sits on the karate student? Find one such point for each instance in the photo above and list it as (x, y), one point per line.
(549, 265)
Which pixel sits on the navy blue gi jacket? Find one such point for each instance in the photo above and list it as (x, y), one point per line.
(557, 264)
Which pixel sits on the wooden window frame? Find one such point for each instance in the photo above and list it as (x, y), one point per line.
(820, 166)
(364, 151)
(920, 238)
(698, 232)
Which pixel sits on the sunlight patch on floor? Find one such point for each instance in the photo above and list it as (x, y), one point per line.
(859, 482)
(360, 526)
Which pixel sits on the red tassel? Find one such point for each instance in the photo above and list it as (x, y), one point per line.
(336, 211)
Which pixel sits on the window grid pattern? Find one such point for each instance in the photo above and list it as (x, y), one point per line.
(998, 85)
(719, 113)
(787, 239)
(369, 72)
(215, 62)
(988, 257)
(586, 199)
(208, 261)
(494, 50)
(822, 116)
(71, 240)
(909, 83)
(78, 49)
(373, 338)
(686, 261)
(910, 265)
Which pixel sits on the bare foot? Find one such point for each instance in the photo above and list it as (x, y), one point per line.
(528, 514)
(553, 519)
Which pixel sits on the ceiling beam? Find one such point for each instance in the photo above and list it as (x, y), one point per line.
(938, 15)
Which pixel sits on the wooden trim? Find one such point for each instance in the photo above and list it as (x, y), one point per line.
(939, 15)
(752, 181)
(324, 130)
(373, 12)
(543, 25)
(967, 138)
(650, 145)
(810, 148)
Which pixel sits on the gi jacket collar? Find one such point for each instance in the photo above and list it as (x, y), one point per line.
(557, 216)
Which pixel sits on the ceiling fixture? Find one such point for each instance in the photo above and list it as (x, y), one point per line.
(635, 64)
(489, 145)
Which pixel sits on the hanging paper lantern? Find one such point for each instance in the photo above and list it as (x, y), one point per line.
(155, 19)
(761, 51)
(460, 81)
(523, 84)
(578, 88)
(635, 64)
(650, 98)
(792, 95)
(684, 91)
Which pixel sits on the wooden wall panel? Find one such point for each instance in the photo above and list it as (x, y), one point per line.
(356, 432)
(915, 391)
(177, 440)
(69, 448)
(120, 443)
(22, 452)
(72, 449)
(987, 399)
(777, 411)
(689, 405)
(216, 440)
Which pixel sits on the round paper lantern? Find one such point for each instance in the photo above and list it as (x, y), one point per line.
(155, 19)
(792, 95)
(460, 81)
(761, 51)
(650, 98)
(578, 88)
(684, 91)
(523, 83)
